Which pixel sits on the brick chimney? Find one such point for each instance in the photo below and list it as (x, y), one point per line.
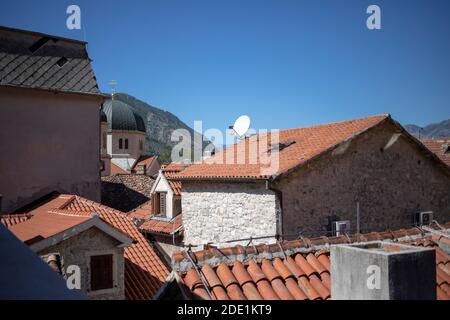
(382, 271)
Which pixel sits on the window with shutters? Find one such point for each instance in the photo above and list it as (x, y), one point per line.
(162, 203)
(102, 272)
(159, 203)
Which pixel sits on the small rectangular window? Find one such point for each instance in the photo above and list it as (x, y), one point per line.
(102, 272)
(120, 143)
(126, 143)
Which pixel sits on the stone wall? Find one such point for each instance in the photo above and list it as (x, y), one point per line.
(218, 212)
(77, 251)
(389, 184)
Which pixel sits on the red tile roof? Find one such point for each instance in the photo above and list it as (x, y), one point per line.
(155, 225)
(170, 172)
(9, 220)
(175, 185)
(143, 212)
(115, 169)
(440, 147)
(145, 271)
(46, 224)
(174, 167)
(302, 145)
(144, 161)
(297, 269)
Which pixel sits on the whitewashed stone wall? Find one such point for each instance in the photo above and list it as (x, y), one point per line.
(217, 212)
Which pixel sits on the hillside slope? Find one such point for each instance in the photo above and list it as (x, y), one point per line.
(159, 125)
(433, 130)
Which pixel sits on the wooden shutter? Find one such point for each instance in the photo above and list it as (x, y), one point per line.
(102, 272)
(162, 197)
(155, 198)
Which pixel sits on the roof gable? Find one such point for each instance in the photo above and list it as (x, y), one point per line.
(47, 229)
(296, 147)
(145, 271)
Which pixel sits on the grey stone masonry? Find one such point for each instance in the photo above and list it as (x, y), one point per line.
(219, 212)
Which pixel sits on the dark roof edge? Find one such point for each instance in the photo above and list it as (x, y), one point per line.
(54, 90)
(41, 34)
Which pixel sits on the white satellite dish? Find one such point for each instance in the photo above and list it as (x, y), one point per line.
(241, 125)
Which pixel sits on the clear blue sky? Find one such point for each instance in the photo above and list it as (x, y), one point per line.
(284, 63)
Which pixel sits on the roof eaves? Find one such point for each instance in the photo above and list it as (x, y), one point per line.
(40, 34)
(89, 94)
(222, 178)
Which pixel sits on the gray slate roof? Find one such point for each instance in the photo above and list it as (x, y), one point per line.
(34, 60)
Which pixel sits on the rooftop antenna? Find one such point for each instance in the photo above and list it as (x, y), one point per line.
(113, 84)
(241, 126)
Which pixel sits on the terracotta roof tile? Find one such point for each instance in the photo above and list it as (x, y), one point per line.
(143, 212)
(156, 225)
(301, 271)
(304, 145)
(9, 220)
(440, 147)
(115, 169)
(144, 161)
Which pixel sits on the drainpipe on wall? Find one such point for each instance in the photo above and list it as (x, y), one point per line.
(279, 195)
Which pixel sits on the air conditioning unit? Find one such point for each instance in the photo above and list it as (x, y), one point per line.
(424, 218)
(341, 227)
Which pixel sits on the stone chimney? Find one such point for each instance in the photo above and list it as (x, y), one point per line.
(382, 271)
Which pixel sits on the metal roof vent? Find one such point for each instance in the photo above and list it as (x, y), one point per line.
(62, 61)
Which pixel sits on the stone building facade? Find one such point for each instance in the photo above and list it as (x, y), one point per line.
(78, 251)
(326, 173)
(391, 185)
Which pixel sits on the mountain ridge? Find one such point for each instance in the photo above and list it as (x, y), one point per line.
(159, 127)
(432, 130)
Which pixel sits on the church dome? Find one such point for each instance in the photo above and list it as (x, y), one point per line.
(121, 116)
